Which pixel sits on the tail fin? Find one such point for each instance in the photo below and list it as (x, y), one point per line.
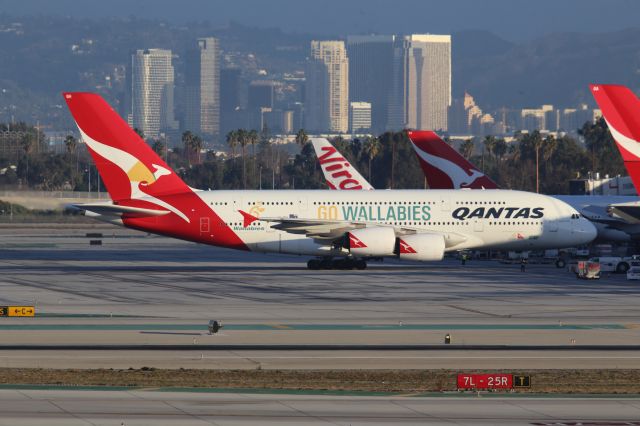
(125, 162)
(338, 172)
(621, 110)
(444, 167)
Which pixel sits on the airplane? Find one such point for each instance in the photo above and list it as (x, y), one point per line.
(352, 226)
(446, 168)
(337, 170)
(621, 111)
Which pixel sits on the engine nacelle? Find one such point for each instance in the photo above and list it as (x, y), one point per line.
(375, 241)
(422, 247)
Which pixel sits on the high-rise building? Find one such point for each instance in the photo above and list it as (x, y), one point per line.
(370, 74)
(421, 86)
(327, 88)
(261, 94)
(202, 84)
(232, 116)
(360, 116)
(152, 92)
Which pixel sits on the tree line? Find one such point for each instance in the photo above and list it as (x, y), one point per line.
(250, 160)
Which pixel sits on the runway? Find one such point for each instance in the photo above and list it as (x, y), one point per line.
(137, 289)
(69, 408)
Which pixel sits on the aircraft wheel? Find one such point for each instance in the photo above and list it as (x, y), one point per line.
(360, 264)
(622, 267)
(326, 264)
(313, 264)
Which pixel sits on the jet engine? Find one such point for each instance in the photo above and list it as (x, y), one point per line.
(422, 247)
(374, 241)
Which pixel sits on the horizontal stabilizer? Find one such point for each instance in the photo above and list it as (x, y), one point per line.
(116, 210)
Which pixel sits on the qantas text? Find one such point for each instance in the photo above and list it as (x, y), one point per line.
(463, 213)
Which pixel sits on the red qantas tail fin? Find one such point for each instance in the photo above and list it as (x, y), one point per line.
(621, 110)
(444, 167)
(128, 166)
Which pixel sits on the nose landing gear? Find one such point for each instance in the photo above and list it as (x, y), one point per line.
(341, 263)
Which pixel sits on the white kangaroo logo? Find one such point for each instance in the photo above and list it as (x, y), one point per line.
(135, 170)
(626, 142)
(459, 177)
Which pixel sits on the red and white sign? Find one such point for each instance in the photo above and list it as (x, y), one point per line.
(485, 381)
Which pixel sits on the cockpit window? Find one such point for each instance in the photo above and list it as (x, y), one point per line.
(575, 216)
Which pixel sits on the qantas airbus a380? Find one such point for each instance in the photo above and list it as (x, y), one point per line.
(351, 226)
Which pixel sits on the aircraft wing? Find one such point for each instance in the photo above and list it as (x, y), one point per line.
(330, 230)
(629, 212)
(108, 209)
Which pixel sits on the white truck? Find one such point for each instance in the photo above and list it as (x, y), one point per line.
(612, 264)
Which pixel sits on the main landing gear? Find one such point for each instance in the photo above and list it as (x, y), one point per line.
(341, 263)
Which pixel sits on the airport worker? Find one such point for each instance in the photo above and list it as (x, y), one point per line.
(523, 264)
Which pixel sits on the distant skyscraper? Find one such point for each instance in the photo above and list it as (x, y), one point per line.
(231, 116)
(202, 78)
(261, 94)
(370, 74)
(360, 116)
(421, 86)
(152, 92)
(327, 88)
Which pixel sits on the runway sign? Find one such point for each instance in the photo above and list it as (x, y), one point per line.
(17, 311)
(485, 381)
(520, 382)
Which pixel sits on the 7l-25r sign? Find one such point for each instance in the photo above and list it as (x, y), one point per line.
(485, 381)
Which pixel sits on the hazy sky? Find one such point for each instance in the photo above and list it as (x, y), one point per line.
(512, 19)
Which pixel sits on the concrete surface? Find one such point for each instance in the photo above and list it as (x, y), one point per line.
(69, 408)
(152, 290)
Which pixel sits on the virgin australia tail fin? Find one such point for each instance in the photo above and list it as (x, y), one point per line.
(338, 172)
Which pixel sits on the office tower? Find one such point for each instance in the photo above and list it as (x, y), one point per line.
(421, 86)
(370, 74)
(202, 84)
(152, 92)
(232, 116)
(360, 116)
(261, 98)
(327, 88)
(261, 94)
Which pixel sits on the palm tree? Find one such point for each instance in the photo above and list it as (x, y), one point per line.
(232, 141)
(27, 143)
(467, 148)
(192, 145)
(371, 149)
(243, 140)
(158, 148)
(537, 143)
(70, 143)
(301, 138)
(254, 138)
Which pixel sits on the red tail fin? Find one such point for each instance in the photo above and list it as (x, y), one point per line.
(125, 162)
(621, 110)
(444, 167)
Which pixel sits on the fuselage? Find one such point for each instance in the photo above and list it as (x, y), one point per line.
(491, 219)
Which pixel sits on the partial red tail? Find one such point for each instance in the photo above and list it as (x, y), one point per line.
(125, 162)
(621, 110)
(444, 167)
